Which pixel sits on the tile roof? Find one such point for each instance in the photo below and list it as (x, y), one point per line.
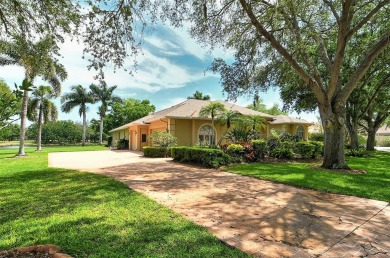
(384, 130)
(283, 119)
(190, 109)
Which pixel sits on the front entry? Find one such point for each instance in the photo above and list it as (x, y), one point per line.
(143, 138)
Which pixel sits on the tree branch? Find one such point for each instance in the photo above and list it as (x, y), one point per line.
(333, 10)
(374, 52)
(366, 18)
(340, 49)
(317, 90)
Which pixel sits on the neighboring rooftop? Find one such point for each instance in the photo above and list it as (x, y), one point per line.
(384, 130)
(283, 119)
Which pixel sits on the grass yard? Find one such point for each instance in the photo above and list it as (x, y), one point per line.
(374, 185)
(91, 215)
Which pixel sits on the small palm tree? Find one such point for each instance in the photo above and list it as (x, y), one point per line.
(78, 97)
(254, 122)
(199, 95)
(227, 117)
(213, 110)
(37, 59)
(41, 109)
(104, 94)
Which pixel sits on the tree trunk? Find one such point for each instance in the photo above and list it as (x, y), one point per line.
(371, 139)
(334, 127)
(101, 131)
(39, 140)
(354, 138)
(84, 128)
(353, 132)
(23, 118)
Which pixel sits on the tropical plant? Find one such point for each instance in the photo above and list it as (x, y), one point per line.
(37, 59)
(199, 95)
(41, 109)
(104, 94)
(78, 97)
(227, 117)
(212, 110)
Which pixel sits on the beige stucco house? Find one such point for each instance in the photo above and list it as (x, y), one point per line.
(184, 122)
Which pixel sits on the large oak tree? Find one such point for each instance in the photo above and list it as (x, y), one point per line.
(310, 38)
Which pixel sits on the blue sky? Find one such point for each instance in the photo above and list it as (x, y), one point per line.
(172, 67)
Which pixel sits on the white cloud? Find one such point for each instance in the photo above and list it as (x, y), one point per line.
(171, 102)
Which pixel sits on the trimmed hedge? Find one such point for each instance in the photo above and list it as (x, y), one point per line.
(305, 149)
(156, 152)
(212, 158)
(282, 153)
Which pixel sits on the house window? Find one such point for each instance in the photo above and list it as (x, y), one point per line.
(205, 135)
(143, 137)
(300, 131)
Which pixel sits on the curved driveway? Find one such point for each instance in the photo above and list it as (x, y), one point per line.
(259, 217)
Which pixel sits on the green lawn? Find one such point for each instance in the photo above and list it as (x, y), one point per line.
(374, 185)
(90, 215)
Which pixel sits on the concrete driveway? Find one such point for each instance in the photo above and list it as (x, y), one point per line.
(259, 217)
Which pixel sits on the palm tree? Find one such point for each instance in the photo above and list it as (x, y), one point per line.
(47, 111)
(104, 94)
(78, 97)
(254, 122)
(213, 109)
(37, 60)
(227, 117)
(199, 95)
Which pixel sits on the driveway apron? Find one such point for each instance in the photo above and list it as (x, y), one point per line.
(262, 218)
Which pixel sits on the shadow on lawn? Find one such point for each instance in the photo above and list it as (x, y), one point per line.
(92, 216)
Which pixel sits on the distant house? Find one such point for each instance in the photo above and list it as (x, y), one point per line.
(383, 131)
(183, 121)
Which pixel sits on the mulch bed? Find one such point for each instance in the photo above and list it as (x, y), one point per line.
(36, 251)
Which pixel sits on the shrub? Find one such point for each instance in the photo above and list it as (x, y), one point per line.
(109, 141)
(286, 137)
(122, 144)
(362, 141)
(235, 150)
(204, 156)
(318, 149)
(273, 142)
(287, 145)
(157, 152)
(162, 139)
(356, 152)
(282, 153)
(383, 141)
(318, 137)
(260, 148)
(305, 149)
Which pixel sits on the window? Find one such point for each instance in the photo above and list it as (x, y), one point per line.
(205, 135)
(143, 137)
(300, 131)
